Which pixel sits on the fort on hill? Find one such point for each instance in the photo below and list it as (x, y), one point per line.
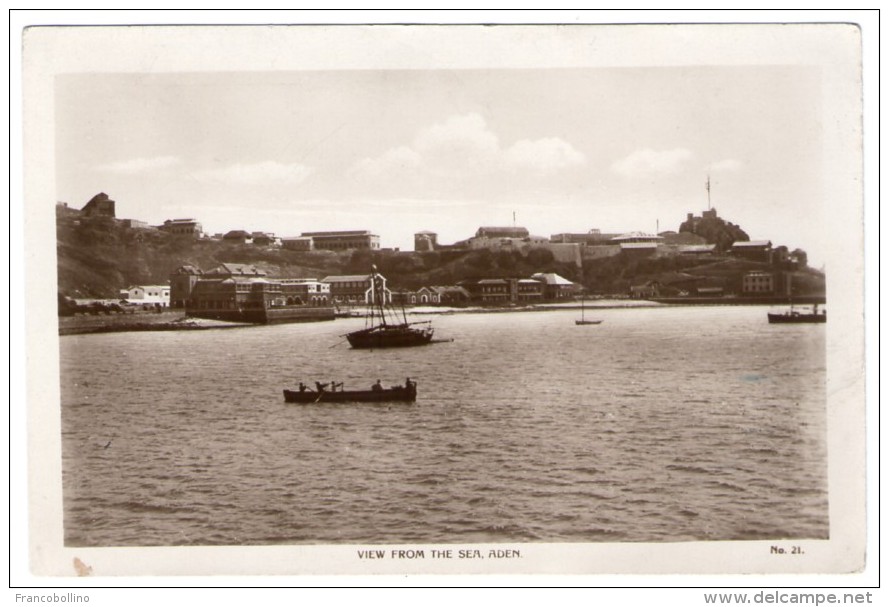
(714, 229)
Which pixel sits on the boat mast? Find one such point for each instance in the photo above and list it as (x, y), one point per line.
(369, 319)
(378, 294)
(582, 300)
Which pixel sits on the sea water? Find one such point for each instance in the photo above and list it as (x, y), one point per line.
(660, 424)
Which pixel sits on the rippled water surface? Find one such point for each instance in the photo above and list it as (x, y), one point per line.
(663, 424)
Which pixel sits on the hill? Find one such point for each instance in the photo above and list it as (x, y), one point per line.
(99, 255)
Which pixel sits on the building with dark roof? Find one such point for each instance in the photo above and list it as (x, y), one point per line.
(227, 270)
(238, 236)
(182, 282)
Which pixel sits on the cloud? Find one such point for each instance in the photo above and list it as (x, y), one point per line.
(463, 145)
(648, 162)
(546, 155)
(726, 166)
(459, 138)
(258, 173)
(136, 166)
(401, 157)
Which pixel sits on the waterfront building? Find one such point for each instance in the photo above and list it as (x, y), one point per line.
(356, 289)
(419, 297)
(305, 291)
(646, 290)
(235, 293)
(494, 291)
(529, 290)
(182, 282)
(555, 287)
(453, 295)
(244, 293)
(147, 294)
(503, 291)
(758, 283)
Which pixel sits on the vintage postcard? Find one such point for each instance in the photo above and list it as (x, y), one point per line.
(413, 299)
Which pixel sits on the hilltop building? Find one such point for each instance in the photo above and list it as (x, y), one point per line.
(182, 227)
(753, 250)
(298, 243)
(714, 229)
(99, 205)
(590, 238)
(344, 241)
(265, 239)
(501, 232)
(238, 237)
(693, 222)
(425, 241)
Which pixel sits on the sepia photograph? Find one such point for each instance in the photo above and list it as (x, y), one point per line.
(445, 299)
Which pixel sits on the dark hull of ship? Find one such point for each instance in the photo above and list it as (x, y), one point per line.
(794, 317)
(270, 316)
(390, 337)
(399, 393)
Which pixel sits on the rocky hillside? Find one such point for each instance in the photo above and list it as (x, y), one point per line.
(715, 230)
(99, 255)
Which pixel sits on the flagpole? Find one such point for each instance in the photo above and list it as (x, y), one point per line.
(708, 192)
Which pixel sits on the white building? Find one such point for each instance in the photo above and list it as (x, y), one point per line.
(147, 294)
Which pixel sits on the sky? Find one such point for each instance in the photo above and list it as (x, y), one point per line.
(400, 151)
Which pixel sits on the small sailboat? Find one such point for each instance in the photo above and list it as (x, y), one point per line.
(384, 329)
(583, 320)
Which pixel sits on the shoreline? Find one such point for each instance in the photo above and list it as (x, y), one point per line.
(165, 321)
(177, 321)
